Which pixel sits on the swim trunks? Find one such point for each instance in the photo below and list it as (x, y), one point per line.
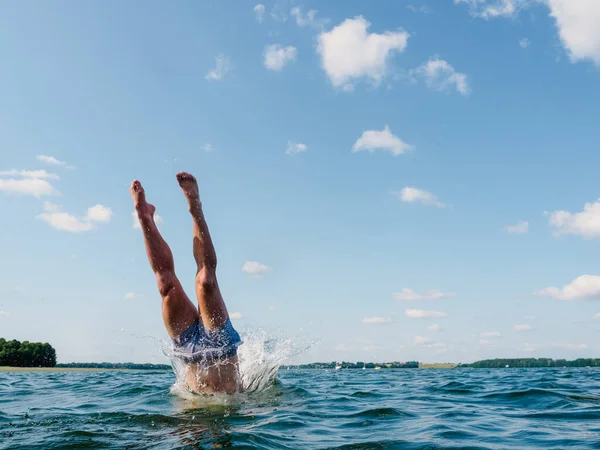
(197, 345)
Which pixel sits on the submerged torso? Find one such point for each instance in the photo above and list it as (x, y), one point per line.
(217, 377)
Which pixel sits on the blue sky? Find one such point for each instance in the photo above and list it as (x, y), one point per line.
(398, 180)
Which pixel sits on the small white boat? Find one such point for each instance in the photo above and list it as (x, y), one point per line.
(338, 366)
(377, 368)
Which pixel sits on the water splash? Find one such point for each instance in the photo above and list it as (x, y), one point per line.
(260, 356)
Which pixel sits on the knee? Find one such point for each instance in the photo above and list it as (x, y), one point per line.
(166, 283)
(206, 279)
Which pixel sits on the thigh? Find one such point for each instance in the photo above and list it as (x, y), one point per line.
(179, 313)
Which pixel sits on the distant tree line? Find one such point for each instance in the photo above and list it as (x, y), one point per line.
(106, 365)
(357, 365)
(534, 362)
(26, 354)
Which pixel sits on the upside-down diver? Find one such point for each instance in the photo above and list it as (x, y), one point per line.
(203, 338)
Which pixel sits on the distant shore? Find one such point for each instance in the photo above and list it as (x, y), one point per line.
(57, 369)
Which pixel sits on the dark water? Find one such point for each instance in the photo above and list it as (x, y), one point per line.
(349, 409)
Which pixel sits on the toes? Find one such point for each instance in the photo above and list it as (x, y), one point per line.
(136, 186)
(184, 176)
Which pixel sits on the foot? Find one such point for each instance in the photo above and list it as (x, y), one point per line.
(144, 209)
(190, 188)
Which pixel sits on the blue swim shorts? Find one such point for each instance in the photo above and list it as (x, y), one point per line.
(197, 345)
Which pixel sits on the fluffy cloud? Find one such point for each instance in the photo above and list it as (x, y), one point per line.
(596, 316)
(523, 327)
(255, 268)
(63, 221)
(222, 67)
(489, 334)
(4, 314)
(294, 148)
(276, 56)
(308, 20)
(236, 316)
(441, 76)
(348, 52)
(581, 288)
(41, 174)
(136, 221)
(377, 320)
(488, 9)
(520, 228)
(259, 12)
(51, 160)
(412, 194)
(132, 295)
(585, 223)
(28, 186)
(410, 295)
(272, 308)
(420, 9)
(524, 43)
(208, 148)
(372, 140)
(419, 340)
(434, 327)
(422, 314)
(577, 22)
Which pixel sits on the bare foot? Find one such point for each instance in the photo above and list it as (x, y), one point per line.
(190, 188)
(144, 209)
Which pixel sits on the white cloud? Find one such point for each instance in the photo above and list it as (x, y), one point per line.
(349, 53)
(41, 174)
(63, 221)
(28, 186)
(412, 194)
(308, 20)
(136, 221)
(255, 268)
(4, 314)
(53, 161)
(490, 334)
(422, 314)
(271, 308)
(276, 56)
(520, 228)
(377, 320)
(484, 341)
(585, 223)
(577, 22)
(434, 327)
(99, 213)
(523, 327)
(294, 148)
(524, 43)
(596, 316)
(132, 295)
(208, 148)
(441, 76)
(236, 316)
(424, 9)
(410, 295)
(372, 140)
(581, 288)
(259, 12)
(419, 340)
(222, 67)
(489, 9)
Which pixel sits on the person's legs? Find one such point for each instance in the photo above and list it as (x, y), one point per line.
(179, 313)
(213, 311)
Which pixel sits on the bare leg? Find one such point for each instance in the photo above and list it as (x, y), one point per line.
(177, 309)
(213, 311)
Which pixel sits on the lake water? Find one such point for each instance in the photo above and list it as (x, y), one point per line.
(307, 409)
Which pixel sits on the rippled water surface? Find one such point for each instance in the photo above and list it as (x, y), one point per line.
(314, 409)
